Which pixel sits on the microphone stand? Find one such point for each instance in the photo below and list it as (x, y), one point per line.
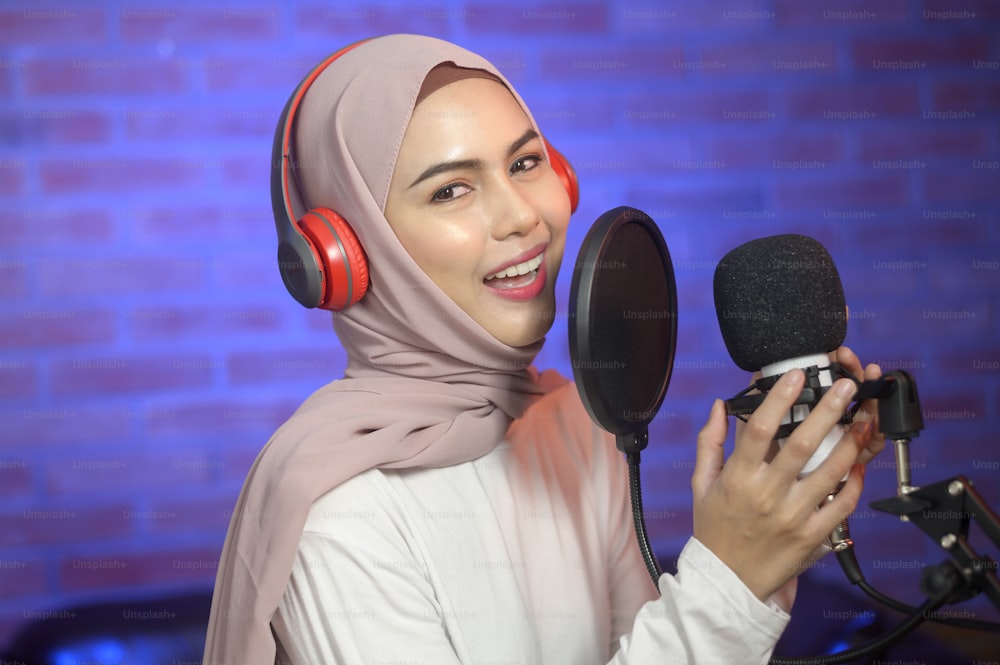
(942, 510)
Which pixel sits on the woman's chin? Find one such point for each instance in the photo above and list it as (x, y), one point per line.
(532, 333)
(519, 324)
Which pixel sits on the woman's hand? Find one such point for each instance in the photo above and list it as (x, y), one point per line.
(756, 515)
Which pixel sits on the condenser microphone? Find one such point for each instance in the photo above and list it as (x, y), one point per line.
(780, 305)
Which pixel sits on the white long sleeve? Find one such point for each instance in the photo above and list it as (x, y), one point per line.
(705, 616)
(525, 556)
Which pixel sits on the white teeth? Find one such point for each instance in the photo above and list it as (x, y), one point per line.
(519, 269)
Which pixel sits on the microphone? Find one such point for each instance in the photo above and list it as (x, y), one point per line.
(780, 305)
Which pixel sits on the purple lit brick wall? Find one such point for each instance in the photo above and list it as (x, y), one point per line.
(148, 349)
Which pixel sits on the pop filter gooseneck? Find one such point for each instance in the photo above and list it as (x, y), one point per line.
(622, 336)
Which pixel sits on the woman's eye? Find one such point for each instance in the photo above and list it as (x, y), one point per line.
(525, 163)
(448, 193)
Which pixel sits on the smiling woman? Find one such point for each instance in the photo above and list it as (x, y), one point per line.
(446, 502)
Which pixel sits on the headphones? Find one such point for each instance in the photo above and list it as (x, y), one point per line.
(320, 258)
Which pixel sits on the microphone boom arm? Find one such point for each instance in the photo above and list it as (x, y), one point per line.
(942, 510)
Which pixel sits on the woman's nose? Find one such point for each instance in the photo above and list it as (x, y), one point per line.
(515, 214)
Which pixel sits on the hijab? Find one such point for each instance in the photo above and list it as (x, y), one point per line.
(425, 385)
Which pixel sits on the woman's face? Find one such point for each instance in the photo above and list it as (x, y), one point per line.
(475, 203)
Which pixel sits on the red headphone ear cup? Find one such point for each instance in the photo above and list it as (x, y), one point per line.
(566, 174)
(342, 260)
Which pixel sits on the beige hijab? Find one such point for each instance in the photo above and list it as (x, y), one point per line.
(425, 385)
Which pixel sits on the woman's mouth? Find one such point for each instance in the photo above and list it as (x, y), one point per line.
(522, 281)
(509, 275)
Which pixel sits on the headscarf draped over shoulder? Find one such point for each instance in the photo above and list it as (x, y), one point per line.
(425, 385)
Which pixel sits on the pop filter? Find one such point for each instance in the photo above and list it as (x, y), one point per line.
(623, 324)
(622, 336)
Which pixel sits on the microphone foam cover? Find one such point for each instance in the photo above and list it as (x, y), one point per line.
(779, 298)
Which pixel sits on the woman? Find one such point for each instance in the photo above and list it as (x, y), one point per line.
(446, 503)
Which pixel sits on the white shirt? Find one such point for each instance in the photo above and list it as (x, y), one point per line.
(526, 556)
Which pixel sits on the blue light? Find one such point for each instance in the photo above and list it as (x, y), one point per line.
(106, 652)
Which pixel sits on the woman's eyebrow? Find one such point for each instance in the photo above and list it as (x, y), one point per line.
(459, 164)
(520, 141)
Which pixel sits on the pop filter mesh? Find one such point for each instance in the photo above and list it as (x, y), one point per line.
(632, 324)
(623, 320)
(779, 298)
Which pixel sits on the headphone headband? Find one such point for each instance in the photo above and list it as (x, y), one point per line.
(282, 149)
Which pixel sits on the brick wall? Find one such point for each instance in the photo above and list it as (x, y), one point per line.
(148, 349)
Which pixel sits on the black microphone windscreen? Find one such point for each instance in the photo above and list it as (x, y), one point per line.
(779, 298)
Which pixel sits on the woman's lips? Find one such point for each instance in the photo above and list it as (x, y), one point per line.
(520, 287)
(517, 269)
(525, 257)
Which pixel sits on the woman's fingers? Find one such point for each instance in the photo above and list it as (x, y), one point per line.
(828, 475)
(872, 372)
(869, 413)
(806, 438)
(842, 505)
(710, 454)
(849, 361)
(752, 447)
